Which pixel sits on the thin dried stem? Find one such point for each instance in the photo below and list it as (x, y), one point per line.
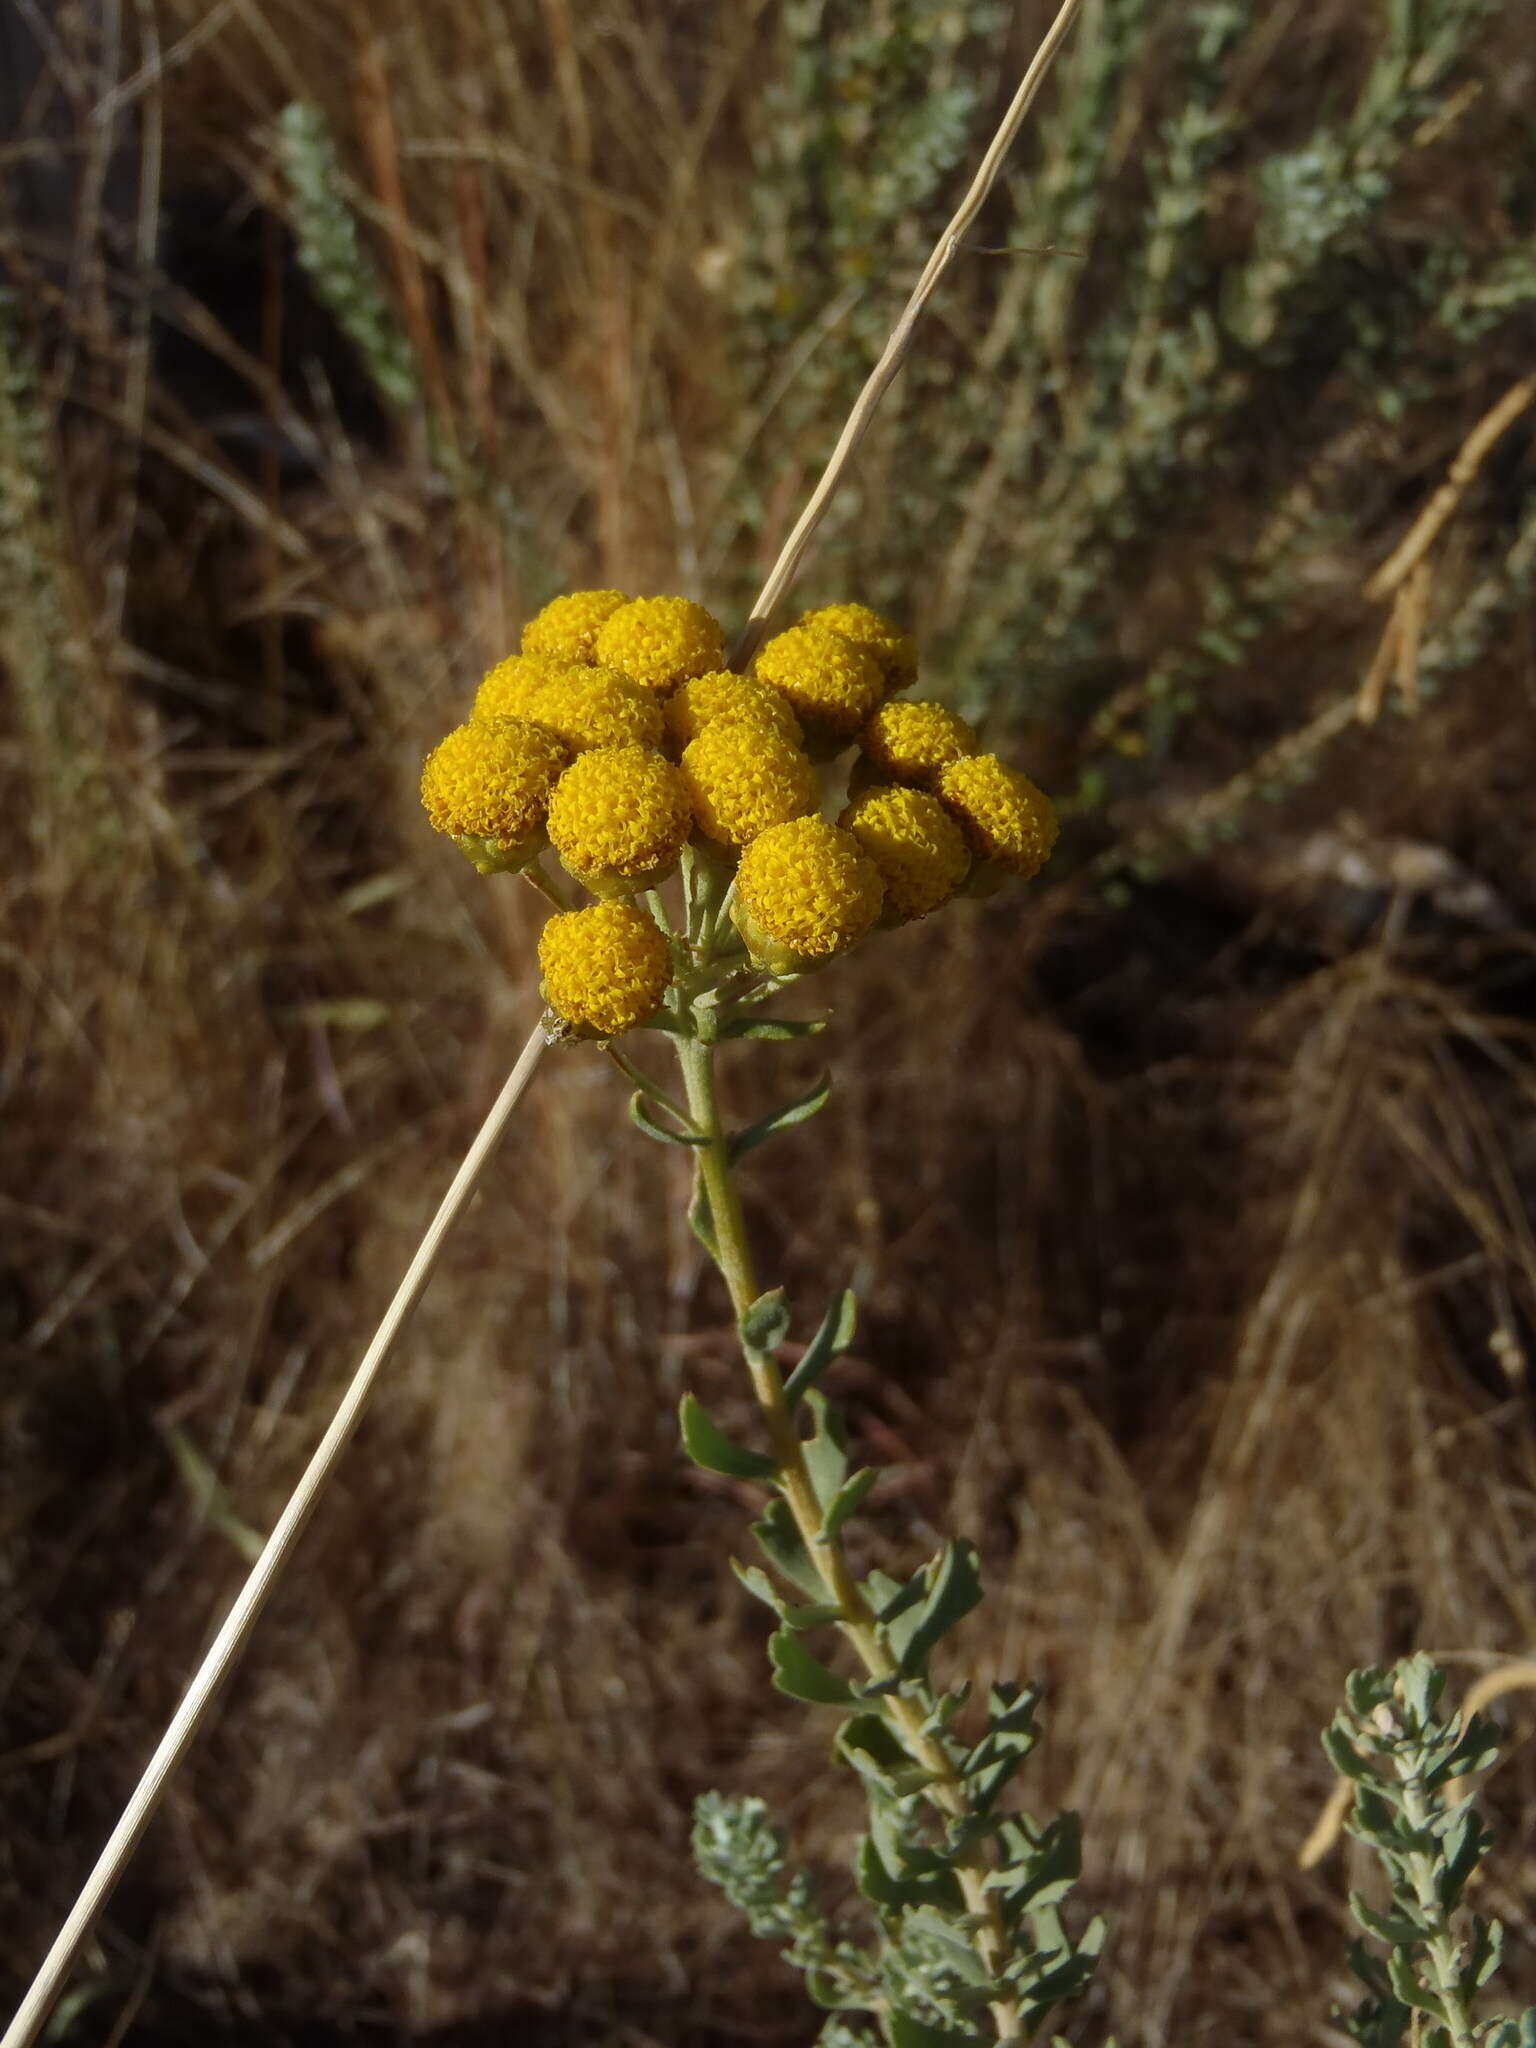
(894, 353)
(252, 1597)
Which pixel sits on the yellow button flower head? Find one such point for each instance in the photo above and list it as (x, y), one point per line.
(568, 626)
(661, 641)
(1006, 819)
(597, 707)
(895, 650)
(619, 818)
(805, 890)
(915, 740)
(510, 687)
(488, 784)
(832, 686)
(604, 969)
(743, 776)
(723, 694)
(914, 842)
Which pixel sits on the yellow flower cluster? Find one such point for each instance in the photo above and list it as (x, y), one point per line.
(706, 699)
(617, 734)
(604, 969)
(660, 641)
(619, 818)
(1006, 819)
(488, 785)
(743, 776)
(568, 626)
(915, 844)
(805, 890)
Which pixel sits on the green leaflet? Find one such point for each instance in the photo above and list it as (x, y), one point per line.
(643, 1118)
(796, 1112)
(771, 1027)
(711, 1448)
(831, 1340)
(803, 1676)
(765, 1324)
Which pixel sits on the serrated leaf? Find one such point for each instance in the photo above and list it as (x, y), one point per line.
(1392, 1928)
(1407, 1987)
(759, 1585)
(846, 1502)
(771, 1027)
(954, 1588)
(1343, 1755)
(643, 1118)
(934, 1887)
(779, 1541)
(869, 1744)
(797, 1112)
(709, 1446)
(802, 1676)
(1487, 1951)
(830, 1341)
(765, 1323)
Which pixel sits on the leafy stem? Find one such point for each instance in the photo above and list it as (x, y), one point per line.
(854, 1615)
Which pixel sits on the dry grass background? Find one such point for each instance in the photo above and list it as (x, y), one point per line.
(1191, 1226)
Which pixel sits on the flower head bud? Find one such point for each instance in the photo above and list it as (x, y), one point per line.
(723, 694)
(743, 776)
(661, 641)
(568, 626)
(487, 786)
(914, 842)
(509, 689)
(914, 740)
(604, 969)
(895, 650)
(1004, 817)
(597, 707)
(832, 686)
(619, 818)
(805, 890)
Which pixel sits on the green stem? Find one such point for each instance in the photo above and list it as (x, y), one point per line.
(1441, 1947)
(857, 1618)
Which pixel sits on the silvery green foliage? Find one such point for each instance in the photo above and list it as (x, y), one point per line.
(346, 279)
(925, 1975)
(1402, 1752)
(1074, 410)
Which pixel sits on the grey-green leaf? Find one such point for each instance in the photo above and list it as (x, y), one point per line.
(710, 1447)
(796, 1112)
(954, 1589)
(771, 1027)
(802, 1676)
(846, 1502)
(765, 1324)
(643, 1119)
(830, 1341)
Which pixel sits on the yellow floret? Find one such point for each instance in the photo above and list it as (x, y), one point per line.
(895, 650)
(914, 842)
(597, 707)
(723, 694)
(488, 784)
(915, 741)
(832, 686)
(619, 818)
(510, 687)
(568, 626)
(1006, 819)
(743, 776)
(661, 641)
(604, 969)
(805, 890)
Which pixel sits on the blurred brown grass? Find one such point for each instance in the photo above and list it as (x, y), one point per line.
(1192, 1231)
